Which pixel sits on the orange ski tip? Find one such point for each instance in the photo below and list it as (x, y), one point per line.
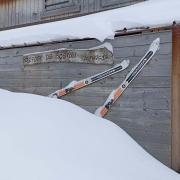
(79, 85)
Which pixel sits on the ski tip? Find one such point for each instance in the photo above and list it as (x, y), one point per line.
(157, 39)
(125, 62)
(155, 44)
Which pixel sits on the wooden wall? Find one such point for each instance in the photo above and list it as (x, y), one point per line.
(22, 12)
(175, 124)
(143, 110)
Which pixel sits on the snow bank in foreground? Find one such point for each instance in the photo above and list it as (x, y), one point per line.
(48, 139)
(152, 13)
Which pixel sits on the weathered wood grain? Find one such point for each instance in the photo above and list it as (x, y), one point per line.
(24, 12)
(176, 100)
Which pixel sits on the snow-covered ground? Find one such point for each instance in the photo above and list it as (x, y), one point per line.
(103, 25)
(48, 139)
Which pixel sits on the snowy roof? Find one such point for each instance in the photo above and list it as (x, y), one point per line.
(44, 138)
(101, 26)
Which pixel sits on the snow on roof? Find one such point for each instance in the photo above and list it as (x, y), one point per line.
(101, 26)
(44, 138)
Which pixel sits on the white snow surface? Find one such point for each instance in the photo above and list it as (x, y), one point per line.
(48, 139)
(103, 25)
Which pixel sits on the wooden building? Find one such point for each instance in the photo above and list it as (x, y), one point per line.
(15, 13)
(149, 110)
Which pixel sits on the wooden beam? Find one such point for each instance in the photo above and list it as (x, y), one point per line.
(175, 123)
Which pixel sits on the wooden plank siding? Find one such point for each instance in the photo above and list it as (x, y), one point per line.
(176, 100)
(143, 110)
(15, 13)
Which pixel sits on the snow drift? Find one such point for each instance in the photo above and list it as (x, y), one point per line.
(49, 139)
(103, 25)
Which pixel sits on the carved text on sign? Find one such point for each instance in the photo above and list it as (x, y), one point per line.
(95, 56)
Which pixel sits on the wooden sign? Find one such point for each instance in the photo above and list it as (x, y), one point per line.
(99, 55)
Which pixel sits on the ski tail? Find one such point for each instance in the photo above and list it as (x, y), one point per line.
(68, 89)
(75, 85)
(103, 110)
(115, 94)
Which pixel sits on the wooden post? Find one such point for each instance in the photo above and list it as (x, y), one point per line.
(175, 123)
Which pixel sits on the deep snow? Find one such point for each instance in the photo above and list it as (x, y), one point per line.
(48, 139)
(103, 25)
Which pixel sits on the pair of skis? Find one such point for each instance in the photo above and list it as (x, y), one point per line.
(115, 94)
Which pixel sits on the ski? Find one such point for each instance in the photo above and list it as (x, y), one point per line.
(75, 85)
(115, 94)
